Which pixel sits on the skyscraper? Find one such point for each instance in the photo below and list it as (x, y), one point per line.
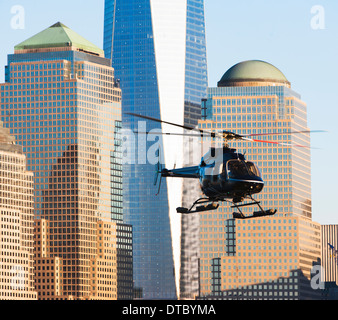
(262, 258)
(62, 103)
(158, 51)
(16, 221)
(254, 97)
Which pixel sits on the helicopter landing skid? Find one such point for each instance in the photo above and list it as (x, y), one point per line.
(237, 215)
(255, 214)
(205, 207)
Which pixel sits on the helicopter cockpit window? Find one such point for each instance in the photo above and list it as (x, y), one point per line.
(238, 169)
(252, 168)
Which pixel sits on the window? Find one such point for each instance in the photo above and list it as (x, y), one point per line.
(238, 169)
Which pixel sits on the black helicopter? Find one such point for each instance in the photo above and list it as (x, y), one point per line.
(224, 174)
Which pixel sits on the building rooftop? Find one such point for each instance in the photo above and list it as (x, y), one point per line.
(5, 137)
(7, 141)
(253, 71)
(59, 36)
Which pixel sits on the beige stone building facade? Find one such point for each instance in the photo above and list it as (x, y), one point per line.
(16, 222)
(50, 271)
(267, 257)
(62, 103)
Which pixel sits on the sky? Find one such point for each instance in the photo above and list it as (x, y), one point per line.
(298, 37)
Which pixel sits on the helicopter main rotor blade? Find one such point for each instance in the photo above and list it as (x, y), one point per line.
(174, 134)
(277, 143)
(227, 135)
(245, 137)
(212, 134)
(282, 133)
(238, 137)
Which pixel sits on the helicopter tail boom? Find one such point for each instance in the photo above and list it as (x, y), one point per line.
(188, 172)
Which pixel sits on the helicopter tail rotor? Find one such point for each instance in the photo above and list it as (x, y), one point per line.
(158, 171)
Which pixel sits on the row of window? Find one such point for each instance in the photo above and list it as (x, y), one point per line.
(245, 110)
(36, 66)
(235, 125)
(10, 87)
(32, 80)
(245, 102)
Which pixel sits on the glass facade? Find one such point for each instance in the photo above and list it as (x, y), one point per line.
(64, 107)
(196, 83)
(196, 78)
(138, 55)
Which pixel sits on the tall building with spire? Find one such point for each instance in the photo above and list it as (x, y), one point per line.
(266, 257)
(62, 103)
(158, 51)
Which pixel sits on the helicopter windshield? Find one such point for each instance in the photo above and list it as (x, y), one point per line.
(238, 169)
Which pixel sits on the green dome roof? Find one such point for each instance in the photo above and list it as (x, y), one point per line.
(253, 71)
(56, 36)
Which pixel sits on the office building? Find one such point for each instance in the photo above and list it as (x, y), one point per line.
(252, 256)
(48, 269)
(16, 221)
(158, 51)
(61, 102)
(329, 243)
(264, 258)
(111, 268)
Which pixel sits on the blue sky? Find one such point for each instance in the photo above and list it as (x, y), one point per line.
(301, 43)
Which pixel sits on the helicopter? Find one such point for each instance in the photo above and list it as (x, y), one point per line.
(224, 174)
